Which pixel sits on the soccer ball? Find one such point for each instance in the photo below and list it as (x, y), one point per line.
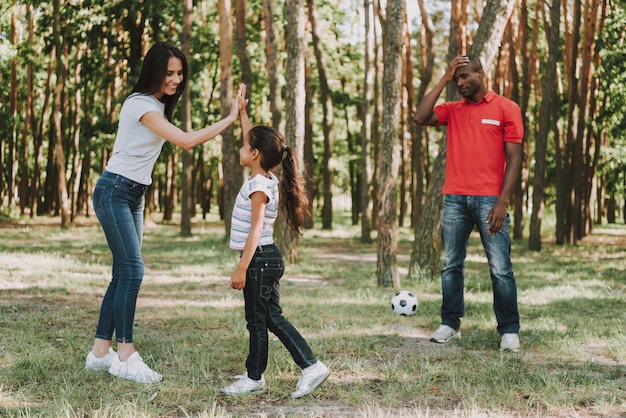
(404, 303)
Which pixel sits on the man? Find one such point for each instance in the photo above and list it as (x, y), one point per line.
(483, 156)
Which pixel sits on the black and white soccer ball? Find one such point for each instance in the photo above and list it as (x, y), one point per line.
(404, 303)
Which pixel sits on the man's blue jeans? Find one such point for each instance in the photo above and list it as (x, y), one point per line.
(460, 214)
(118, 203)
(263, 312)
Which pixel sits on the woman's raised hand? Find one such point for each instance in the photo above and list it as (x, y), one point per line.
(241, 96)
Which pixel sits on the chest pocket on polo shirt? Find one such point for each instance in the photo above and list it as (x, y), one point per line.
(493, 122)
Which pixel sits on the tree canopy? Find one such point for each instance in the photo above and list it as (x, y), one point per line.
(68, 65)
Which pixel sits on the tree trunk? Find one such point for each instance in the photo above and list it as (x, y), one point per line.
(528, 71)
(327, 122)
(272, 64)
(240, 39)
(26, 178)
(169, 198)
(295, 98)
(230, 154)
(376, 138)
(420, 161)
(187, 203)
(309, 154)
(387, 242)
(545, 125)
(59, 153)
(366, 132)
(406, 124)
(11, 161)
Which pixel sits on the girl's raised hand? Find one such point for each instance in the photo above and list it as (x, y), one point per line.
(241, 95)
(242, 101)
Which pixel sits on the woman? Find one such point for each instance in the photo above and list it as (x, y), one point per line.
(118, 200)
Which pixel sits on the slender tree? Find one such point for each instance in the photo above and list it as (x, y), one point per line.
(232, 178)
(545, 122)
(327, 120)
(295, 98)
(387, 242)
(60, 50)
(187, 201)
(366, 130)
(272, 64)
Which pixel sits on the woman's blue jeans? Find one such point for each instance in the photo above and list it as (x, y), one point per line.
(460, 214)
(118, 203)
(263, 312)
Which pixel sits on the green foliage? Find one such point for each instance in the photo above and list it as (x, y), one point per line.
(612, 120)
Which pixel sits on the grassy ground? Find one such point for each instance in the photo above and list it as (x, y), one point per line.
(190, 328)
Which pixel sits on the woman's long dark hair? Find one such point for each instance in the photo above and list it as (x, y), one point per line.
(153, 72)
(294, 200)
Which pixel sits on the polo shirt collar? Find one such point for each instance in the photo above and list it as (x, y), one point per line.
(488, 97)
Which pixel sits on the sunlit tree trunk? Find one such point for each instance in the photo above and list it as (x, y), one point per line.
(387, 242)
(295, 98)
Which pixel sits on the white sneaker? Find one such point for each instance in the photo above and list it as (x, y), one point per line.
(99, 363)
(244, 385)
(134, 369)
(444, 333)
(312, 377)
(510, 342)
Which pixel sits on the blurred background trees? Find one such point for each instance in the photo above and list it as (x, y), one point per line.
(66, 66)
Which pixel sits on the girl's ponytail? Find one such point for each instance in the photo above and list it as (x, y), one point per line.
(293, 196)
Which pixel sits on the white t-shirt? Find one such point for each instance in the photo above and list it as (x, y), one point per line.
(136, 147)
(242, 211)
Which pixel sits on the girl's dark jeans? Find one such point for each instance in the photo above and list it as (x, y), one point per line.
(118, 203)
(263, 312)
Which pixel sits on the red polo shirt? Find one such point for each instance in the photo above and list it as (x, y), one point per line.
(475, 159)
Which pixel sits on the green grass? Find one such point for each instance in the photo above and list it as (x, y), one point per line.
(190, 327)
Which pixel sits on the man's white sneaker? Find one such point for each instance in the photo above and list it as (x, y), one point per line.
(97, 364)
(244, 385)
(444, 333)
(510, 342)
(134, 369)
(312, 377)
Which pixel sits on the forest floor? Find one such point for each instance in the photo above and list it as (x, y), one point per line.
(572, 362)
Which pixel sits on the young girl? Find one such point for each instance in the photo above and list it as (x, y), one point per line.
(261, 264)
(118, 200)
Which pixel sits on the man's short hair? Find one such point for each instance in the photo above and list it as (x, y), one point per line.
(474, 63)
